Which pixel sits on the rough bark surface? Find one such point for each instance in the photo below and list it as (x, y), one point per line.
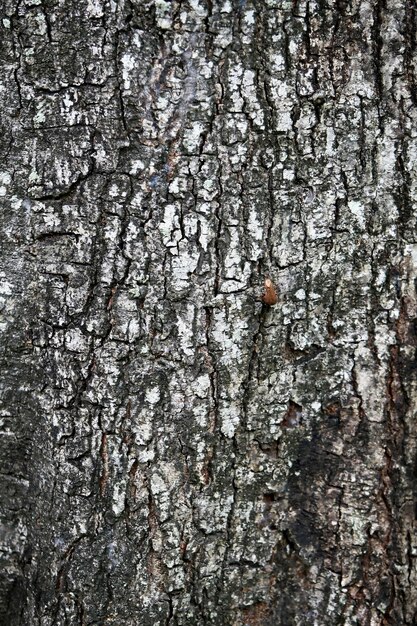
(175, 451)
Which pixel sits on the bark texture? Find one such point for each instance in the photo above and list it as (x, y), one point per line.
(175, 451)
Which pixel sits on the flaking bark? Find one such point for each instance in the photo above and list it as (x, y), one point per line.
(174, 452)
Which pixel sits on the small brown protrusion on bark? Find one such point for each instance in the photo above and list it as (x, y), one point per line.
(270, 296)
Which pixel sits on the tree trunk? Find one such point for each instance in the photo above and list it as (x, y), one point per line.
(175, 450)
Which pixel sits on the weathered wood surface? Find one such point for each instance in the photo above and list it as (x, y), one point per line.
(174, 450)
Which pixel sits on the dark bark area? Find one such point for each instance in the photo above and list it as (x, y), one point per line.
(174, 449)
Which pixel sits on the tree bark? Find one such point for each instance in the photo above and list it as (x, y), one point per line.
(175, 450)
